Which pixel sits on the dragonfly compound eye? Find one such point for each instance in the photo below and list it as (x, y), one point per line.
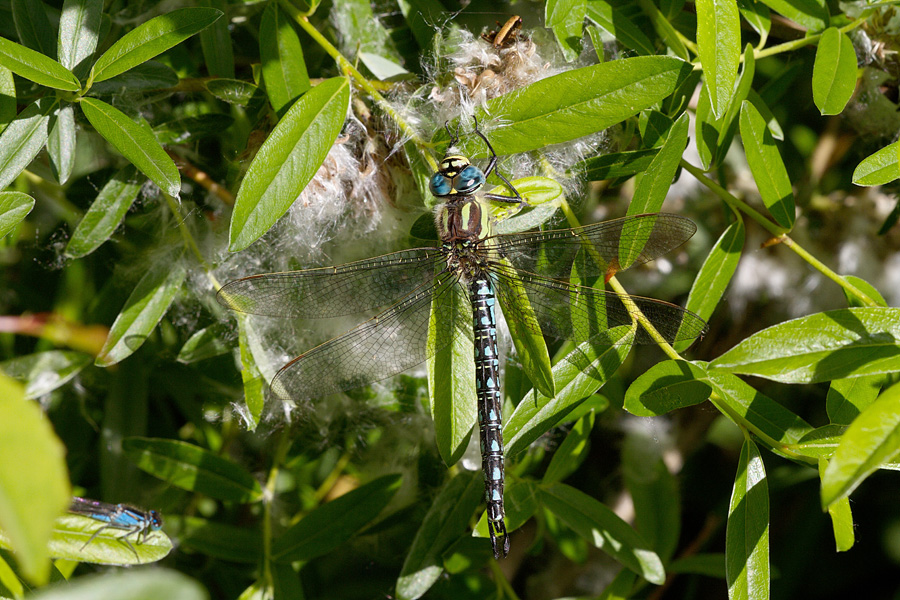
(439, 185)
(470, 179)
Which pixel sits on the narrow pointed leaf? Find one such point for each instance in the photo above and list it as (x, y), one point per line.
(36, 67)
(604, 529)
(143, 310)
(34, 486)
(841, 518)
(654, 183)
(811, 14)
(216, 43)
(33, 26)
(850, 342)
(576, 103)
(566, 19)
(847, 398)
(879, 168)
(193, 468)
(151, 39)
(451, 374)
(136, 142)
(79, 31)
(335, 522)
(834, 72)
(575, 378)
(105, 213)
(615, 21)
(14, 207)
(253, 381)
(571, 452)
(283, 67)
(7, 97)
(43, 372)
(767, 166)
(719, 45)
(618, 164)
(288, 160)
(22, 139)
(665, 387)
(446, 521)
(872, 438)
(747, 533)
(715, 275)
(61, 142)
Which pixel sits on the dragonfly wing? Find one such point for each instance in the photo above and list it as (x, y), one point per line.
(333, 291)
(606, 247)
(567, 311)
(393, 341)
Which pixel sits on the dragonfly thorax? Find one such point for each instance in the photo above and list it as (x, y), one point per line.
(462, 224)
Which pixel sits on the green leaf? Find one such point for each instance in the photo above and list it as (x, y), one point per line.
(566, 19)
(105, 213)
(253, 382)
(719, 47)
(33, 26)
(711, 565)
(834, 72)
(757, 16)
(14, 207)
(204, 343)
(137, 584)
(34, 483)
(7, 97)
(706, 130)
(525, 331)
(151, 75)
(192, 468)
(850, 342)
(61, 142)
(143, 310)
(865, 287)
(617, 164)
(771, 122)
(847, 398)
(232, 91)
(811, 14)
(757, 412)
(218, 540)
(572, 452)
(654, 492)
(729, 123)
(46, 371)
(421, 17)
(654, 183)
(575, 378)
(288, 160)
(451, 373)
(446, 521)
(879, 168)
(23, 138)
(715, 275)
(216, 43)
(151, 39)
(747, 533)
(767, 167)
(872, 438)
(283, 66)
(604, 529)
(136, 143)
(841, 518)
(615, 21)
(520, 503)
(335, 522)
(36, 67)
(79, 31)
(71, 540)
(544, 196)
(666, 386)
(575, 103)
(664, 29)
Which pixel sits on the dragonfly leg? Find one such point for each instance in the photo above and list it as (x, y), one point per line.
(95, 534)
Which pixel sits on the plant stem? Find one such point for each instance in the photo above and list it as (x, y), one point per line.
(779, 234)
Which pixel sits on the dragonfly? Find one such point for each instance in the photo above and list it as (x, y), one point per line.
(529, 273)
(118, 516)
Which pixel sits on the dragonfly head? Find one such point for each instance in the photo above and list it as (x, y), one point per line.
(155, 520)
(456, 175)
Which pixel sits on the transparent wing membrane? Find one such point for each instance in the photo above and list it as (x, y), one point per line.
(392, 342)
(333, 291)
